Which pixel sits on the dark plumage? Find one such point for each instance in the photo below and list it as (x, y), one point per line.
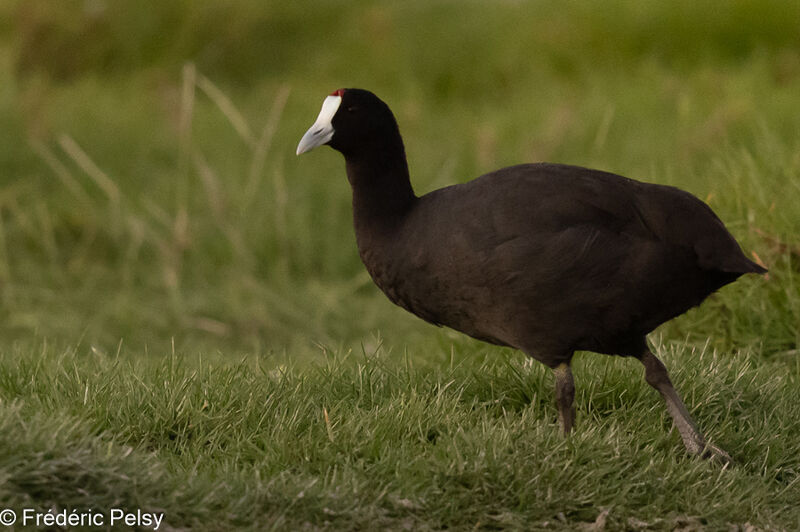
(546, 258)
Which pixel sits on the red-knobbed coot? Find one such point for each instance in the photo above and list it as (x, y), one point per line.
(546, 258)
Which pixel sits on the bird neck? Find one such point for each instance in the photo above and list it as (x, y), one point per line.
(382, 192)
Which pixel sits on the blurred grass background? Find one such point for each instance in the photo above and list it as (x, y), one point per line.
(185, 323)
(149, 189)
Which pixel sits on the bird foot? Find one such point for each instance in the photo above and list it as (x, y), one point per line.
(716, 454)
(697, 445)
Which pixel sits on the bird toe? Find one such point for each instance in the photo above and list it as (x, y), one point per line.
(716, 454)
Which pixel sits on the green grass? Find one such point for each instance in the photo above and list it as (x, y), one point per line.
(182, 304)
(362, 442)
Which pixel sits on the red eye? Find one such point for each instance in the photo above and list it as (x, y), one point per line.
(338, 92)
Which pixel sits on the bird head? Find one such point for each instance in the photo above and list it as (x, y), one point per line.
(350, 120)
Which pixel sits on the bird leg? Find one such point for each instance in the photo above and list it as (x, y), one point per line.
(656, 376)
(565, 394)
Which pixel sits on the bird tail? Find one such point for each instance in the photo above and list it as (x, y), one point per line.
(756, 268)
(741, 265)
(721, 252)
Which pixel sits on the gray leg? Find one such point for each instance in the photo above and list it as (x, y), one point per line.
(565, 394)
(657, 377)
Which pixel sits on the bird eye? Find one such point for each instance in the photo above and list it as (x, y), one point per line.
(352, 108)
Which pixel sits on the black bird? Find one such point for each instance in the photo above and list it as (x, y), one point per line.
(545, 258)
